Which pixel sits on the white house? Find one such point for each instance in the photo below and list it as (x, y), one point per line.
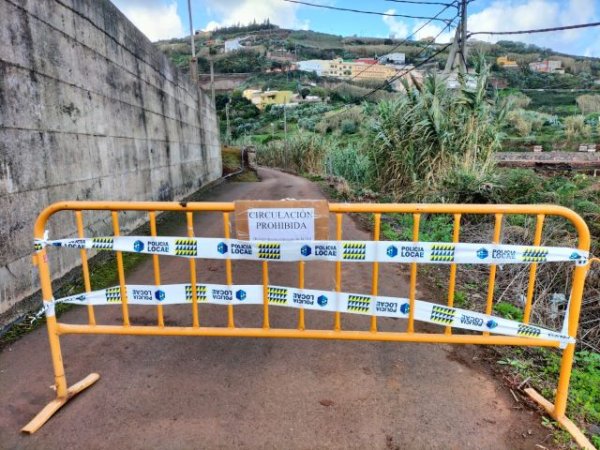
(312, 65)
(232, 45)
(394, 59)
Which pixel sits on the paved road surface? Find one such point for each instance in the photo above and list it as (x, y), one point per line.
(185, 393)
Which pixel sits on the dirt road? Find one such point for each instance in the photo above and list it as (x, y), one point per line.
(186, 393)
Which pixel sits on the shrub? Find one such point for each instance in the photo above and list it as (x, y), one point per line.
(351, 164)
(575, 126)
(307, 123)
(520, 186)
(417, 139)
(516, 100)
(521, 124)
(303, 153)
(348, 127)
(589, 103)
(333, 120)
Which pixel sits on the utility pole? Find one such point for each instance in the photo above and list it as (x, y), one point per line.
(193, 62)
(463, 36)
(285, 132)
(228, 132)
(212, 80)
(459, 45)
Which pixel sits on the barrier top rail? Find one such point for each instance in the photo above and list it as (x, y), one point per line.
(408, 208)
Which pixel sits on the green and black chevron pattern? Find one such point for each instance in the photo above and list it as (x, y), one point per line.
(535, 255)
(113, 295)
(528, 331)
(103, 243)
(277, 295)
(186, 247)
(200, 293)
(354, 251)
(269, 251)
(358, 303)
(442, 314)
(442, 252)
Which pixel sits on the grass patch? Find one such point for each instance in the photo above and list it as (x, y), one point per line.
(508, 311)
(232, 159)
(542, 366)
(247, 176)
(432, 228)
(103, 274)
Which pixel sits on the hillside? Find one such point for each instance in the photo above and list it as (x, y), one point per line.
(266, 46)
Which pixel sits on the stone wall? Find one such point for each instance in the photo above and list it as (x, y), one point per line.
(89, 110)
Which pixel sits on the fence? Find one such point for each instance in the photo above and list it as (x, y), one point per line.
(485, 328)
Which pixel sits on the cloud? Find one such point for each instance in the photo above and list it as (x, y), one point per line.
(398, 29)
(245, 11)
(431, 30)
(211, 26)
(503, 15)
(157, 19)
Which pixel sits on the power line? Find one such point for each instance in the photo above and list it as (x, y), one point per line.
(406, 39)
(402, 74)
(415, 2)
(336, 8)
(538, 30)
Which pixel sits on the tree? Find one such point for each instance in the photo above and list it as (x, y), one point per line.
(304, 92)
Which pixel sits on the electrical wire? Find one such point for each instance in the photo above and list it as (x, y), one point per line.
(406, 72)
(336, 8)
(538, 30)
(415, 2)
(406, 39)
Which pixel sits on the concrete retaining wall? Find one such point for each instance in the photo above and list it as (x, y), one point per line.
(89, 110)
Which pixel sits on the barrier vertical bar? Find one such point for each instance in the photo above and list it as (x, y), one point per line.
(375, 274)
(84, 266)
(265, 280)
(228, 274)
(537, 240)
(60, 379)
(566, 364)
(337, 325)
(413, 278)
(193, 280)
(121, 271)
(156, 266)
(452, 281)
(492, 278)
(301, 325)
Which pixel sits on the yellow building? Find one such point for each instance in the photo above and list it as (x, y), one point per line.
(506, 63)
(365, 71)
(357, 70)
(337, 68)
(262, 99)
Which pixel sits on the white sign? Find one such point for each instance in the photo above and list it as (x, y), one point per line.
(281, 224)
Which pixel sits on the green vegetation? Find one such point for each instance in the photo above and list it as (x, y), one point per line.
(103, 274)
(508, 311)
(542, 367)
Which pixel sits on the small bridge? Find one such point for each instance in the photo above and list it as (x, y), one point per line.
(550, 160)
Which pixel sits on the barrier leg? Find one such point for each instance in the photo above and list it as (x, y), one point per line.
(63, 393)
(558, 409)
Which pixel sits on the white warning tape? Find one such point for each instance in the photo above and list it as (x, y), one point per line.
(354, 251)
(315, 300)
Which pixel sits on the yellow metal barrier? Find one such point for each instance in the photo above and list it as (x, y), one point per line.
(541, 212)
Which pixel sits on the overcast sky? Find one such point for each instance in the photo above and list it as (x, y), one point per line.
(163, 19)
